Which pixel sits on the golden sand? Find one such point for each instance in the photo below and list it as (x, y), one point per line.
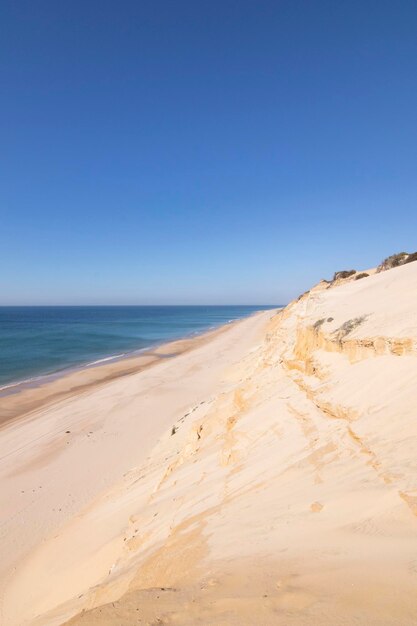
(266, 476)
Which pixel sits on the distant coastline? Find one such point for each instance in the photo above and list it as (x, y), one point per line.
(39, 344)
(20, 397)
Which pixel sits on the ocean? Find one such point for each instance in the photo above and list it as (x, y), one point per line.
(43, 340)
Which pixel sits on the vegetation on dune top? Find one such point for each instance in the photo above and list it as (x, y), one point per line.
(343, 274)
(411, 257)
(395, 260)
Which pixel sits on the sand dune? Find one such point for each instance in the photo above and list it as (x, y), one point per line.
(268, 476)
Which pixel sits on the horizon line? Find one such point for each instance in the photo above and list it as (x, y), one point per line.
(4, 306)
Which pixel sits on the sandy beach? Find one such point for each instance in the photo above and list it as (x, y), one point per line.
(21, 398)
(264, 474)
(65, 443)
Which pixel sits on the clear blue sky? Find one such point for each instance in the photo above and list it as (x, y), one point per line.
(199, 151)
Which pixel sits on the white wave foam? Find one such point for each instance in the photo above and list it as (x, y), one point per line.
(107, 358)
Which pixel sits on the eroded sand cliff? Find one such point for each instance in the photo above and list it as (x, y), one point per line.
(285, 493)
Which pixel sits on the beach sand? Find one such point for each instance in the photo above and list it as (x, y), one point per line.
(68, 442)
(21, 398)
(265, 476)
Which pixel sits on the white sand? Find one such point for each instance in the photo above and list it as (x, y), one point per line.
(286, 493)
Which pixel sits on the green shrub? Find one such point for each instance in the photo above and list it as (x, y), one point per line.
(393, 261)
(343, 274)
(411, 257)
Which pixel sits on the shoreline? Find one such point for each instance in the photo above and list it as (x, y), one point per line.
(58, 462)
(20, 398)
(16, 386)
(138, 500)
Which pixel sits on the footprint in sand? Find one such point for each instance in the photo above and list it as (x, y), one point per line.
(316, 507)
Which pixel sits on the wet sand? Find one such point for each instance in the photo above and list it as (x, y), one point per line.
(21, 399)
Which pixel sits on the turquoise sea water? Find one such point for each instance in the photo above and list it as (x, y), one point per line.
(36, 341)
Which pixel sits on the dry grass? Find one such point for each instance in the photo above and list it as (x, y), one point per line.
(348, 326)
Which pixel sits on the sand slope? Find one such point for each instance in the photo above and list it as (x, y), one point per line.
(284, 493)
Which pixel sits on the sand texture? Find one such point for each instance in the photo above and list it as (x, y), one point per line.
(265, 476)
